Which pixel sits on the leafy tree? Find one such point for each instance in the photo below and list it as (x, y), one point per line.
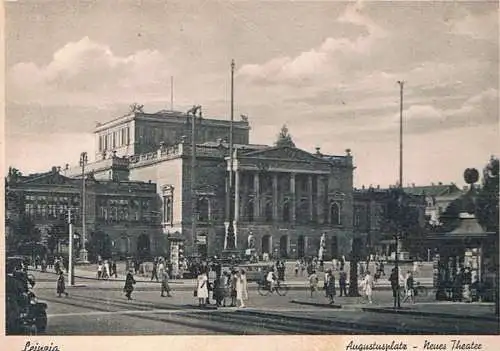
(57, 233)
(24, 231)
(284, 138)
(353, 267)
(450, 217)
(487, 197)
(403, 216)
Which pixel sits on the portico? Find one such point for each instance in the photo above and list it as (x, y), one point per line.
(283, 193)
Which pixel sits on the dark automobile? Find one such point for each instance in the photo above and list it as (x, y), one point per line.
(24, 313)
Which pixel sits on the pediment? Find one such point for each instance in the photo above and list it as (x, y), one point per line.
(283, 153)
(48, 178)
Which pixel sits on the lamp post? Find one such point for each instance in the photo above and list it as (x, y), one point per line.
(230, 242)
(83, 251)
(396, 261)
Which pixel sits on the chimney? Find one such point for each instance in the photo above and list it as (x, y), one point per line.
(412, 185)
(378, 186)
(318, 150)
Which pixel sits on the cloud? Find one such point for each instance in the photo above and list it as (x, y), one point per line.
(308, 66)
(482, 26)
(84, 69)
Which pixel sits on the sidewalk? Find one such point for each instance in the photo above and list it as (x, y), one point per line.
(89, 279)
(459, 310)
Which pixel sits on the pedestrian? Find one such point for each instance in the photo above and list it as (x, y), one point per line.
(233, 281)
(107, 272)
(297, 267)
(241, 288)
(394, 279)
(44, 265)
(219, 290)
(57, 266)
(330, 286)
(368, 286)
(202, 289)
(410, 288)
(343, 282)
(154, 272)
(165, 288)
(113, 270)
(99, 270)
(313, 282)
(61, 286)
(129, 285)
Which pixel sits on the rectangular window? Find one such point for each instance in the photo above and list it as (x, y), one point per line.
(167, 209)
(124, 137)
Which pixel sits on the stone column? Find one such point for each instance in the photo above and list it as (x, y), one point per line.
(256, 203)
(275, 197)
(310, 196)
(319, 200)
(236, 196)
(292, 191)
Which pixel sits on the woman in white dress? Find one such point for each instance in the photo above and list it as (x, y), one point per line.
(368, 286)
(202, 289)
(241, 288)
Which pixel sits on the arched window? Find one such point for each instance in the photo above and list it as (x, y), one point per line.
(203, 210)
(334, 213)
(249, 210)
(269, 211)
(286, 212)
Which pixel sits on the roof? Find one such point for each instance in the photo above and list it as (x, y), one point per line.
(236, 146)
(433, 190)
(469, 228)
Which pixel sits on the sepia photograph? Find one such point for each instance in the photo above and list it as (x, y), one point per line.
(210, 167)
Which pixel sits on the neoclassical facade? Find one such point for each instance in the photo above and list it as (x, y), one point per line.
(284, 198)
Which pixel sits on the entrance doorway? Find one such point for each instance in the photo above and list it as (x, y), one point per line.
(284, 246)
(334, 247)
(143, 246)
(266, 244)
(301, 246)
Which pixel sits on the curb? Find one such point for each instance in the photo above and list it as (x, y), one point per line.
(374, 328)
(318, 304)
(429, 314)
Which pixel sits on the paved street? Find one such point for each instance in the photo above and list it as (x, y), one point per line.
(100, 308)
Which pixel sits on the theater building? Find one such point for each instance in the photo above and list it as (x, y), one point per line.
(284, 198)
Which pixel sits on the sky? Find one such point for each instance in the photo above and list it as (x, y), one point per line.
(328, 70)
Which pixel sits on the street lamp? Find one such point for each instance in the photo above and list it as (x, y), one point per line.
(231, 240)
(396, 261)
(83, 251)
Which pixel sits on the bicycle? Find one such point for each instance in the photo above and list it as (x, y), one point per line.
(418, 290)
(280, 288)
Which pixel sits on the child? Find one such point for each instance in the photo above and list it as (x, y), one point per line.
(61, 287)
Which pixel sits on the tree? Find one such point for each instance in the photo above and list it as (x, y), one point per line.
(403, 217)
(487, 197)
(57, 233)
(450, 217)
(353, 267)
(24, 231)
(284, 138)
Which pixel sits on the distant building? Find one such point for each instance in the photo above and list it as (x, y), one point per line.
(437, 198)
(370, 205)
(121, 217)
